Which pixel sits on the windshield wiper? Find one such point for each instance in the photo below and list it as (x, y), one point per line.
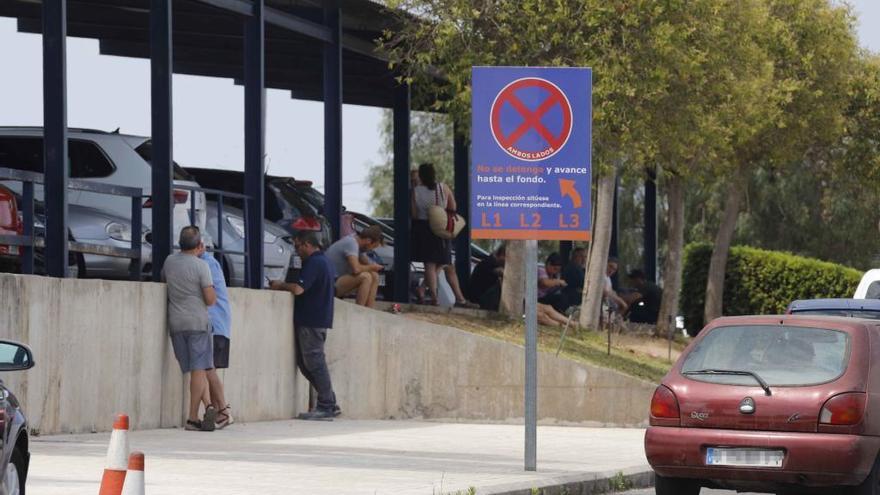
(732, 372)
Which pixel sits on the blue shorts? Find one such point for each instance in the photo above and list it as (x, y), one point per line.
(193, 350)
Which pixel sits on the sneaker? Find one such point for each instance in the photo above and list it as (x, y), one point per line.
(336, 411)
(318, 415)
(193, 425)
(208, 422)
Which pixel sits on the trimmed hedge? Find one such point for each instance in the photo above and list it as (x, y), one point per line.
(760, 282)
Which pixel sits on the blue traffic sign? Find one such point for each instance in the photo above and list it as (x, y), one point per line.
(531, 153)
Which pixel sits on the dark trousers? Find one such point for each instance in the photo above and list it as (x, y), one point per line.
(312, 363)
(557, 299)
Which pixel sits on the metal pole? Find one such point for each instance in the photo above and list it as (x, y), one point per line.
(333, 122)
(136, 233)
(402, 252)
(614, 247)
(162, 223)
(55, 163)
(531, 391)
(462, 200)
(254, 142)
(27, 213)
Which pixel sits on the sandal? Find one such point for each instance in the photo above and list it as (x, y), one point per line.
(224, 418)
(209, 419)
(193, 425)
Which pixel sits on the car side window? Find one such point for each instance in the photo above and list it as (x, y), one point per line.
(873, 291)
(26, 153)
(22, 153)
(87, 161)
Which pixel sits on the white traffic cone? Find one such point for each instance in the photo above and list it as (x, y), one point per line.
(134, 478)
(117, 458)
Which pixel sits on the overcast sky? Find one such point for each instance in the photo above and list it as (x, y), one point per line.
(108, 92)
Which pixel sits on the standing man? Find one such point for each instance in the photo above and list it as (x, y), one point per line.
(312, 317)
(221, 324)
(357, 273)
(190, 292)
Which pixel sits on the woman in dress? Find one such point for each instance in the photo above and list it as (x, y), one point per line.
(434, 252)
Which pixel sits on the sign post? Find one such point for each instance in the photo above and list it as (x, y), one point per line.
(530, 177)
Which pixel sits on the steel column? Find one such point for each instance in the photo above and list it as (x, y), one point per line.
(162, 224)
(565, 248)
(55, 162)
(650, 232)
(462, 200)
(254, 140)
(333, 122)
(402, 252)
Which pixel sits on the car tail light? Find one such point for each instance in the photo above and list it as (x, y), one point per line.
(843, 410)
(303, 223)
(180, 197)
(664, 405)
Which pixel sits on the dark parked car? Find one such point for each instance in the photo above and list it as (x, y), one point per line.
(774, 404)
(852, 308)
(287, 203)
(14, 454)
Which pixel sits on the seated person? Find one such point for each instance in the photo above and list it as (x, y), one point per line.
(354, 271)
(486, 275)
(550, 317)
(574, 275)
(550, 284)
(644, 300)
(614, 301)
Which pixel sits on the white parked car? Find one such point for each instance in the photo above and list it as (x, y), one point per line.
(869, 287)
(104, 157)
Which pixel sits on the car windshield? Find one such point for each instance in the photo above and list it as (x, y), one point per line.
(294, 198)
(849, 313)
(781, 355)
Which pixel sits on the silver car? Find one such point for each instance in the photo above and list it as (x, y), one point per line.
(103, 157)
(91, 226)
(277, 249)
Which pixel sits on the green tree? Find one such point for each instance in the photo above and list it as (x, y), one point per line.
(813, 50)
(430, 141)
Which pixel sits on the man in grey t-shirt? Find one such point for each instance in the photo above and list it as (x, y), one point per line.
(190, 291)
(354, 271)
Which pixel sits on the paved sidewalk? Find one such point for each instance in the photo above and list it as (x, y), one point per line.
(341, 457)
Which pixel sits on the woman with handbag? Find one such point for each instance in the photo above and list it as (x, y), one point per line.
(435, 252)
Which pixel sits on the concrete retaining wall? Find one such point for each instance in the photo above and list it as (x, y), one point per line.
(101, 347)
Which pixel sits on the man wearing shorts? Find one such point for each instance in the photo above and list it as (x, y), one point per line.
(190, 291)
(221, 324)
(355, 273)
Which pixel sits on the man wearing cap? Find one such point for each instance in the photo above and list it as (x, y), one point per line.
(355, 273)
(312, 317)
(644, 301)
(550, 285)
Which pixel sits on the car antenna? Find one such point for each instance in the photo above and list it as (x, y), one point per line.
(116, 131)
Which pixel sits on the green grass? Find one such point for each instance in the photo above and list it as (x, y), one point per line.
(638, 356)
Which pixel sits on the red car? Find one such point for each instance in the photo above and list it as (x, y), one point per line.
(774, 404)
(10, 224)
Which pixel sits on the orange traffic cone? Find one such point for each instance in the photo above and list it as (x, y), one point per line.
(117, 458)
(134, 479)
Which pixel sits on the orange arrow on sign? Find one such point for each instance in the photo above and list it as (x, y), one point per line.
(566, 187)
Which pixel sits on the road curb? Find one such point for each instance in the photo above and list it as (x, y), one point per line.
(579, 484)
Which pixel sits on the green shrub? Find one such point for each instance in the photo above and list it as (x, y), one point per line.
(760, 282)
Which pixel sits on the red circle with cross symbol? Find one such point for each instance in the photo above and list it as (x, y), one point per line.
(531, 120)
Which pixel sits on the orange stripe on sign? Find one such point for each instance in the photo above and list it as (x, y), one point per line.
(541, 235)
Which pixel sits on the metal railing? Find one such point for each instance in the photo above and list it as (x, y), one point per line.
(218, 249)
(28, 241)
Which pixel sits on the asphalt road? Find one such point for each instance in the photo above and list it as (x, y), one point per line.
(704, 491)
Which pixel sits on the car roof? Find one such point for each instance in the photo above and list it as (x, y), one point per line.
(821, 321)
(840, 303)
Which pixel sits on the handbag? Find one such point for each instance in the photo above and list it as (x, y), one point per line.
(445, 224)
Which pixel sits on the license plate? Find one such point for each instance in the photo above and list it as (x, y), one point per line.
(744, 457)
(381, 280)
(297, 262)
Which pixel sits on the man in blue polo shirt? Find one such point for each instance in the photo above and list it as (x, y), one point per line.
(313, 316)
(221, 323)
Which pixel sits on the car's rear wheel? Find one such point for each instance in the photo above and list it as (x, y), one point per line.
(675, 486)
(871, 485)
(13, 481)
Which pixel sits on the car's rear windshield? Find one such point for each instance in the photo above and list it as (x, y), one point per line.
(849, 313)
(780, 355)
(146, 152)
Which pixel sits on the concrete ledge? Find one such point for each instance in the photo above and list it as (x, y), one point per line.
(438, 310)
(580, 484)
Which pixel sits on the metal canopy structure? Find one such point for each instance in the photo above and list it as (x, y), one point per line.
(318, 50)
